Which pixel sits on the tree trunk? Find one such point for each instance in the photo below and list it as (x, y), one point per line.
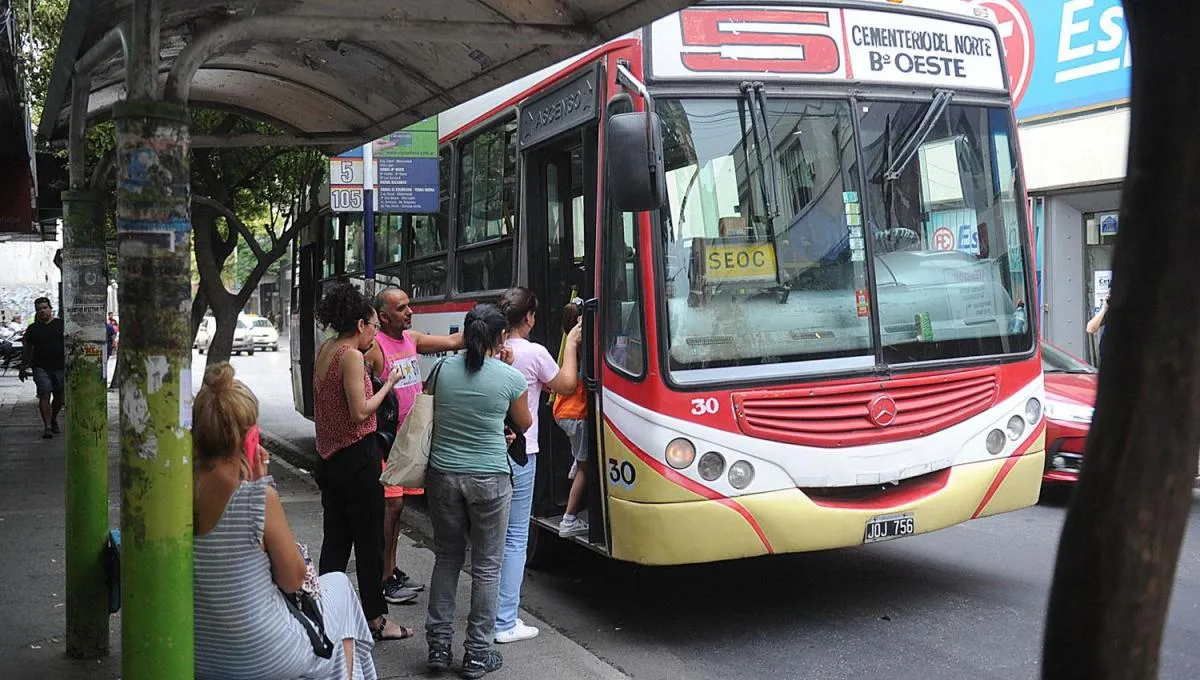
(225, 309)
(1121, 541)
(199, 307)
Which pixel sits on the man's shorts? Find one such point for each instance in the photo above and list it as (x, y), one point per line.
(400, 491)
(576, 430)
(48, 382)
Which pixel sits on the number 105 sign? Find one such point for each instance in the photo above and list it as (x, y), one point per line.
(346, 185)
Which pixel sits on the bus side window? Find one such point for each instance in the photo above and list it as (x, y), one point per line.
(487, 209)
(623, 304)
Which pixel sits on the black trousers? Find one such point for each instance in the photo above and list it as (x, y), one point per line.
(352, 500)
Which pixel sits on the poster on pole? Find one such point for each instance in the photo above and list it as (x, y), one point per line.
(405, 172)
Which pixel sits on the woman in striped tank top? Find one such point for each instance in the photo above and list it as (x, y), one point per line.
(246, 557)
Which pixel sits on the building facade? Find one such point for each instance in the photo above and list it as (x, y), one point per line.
(1069, 61)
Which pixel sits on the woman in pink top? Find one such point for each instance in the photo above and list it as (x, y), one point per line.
(348, 467)
(542, 374)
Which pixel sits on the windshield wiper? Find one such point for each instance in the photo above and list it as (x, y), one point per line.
(908, 150)
(755, 97)
(756, 104)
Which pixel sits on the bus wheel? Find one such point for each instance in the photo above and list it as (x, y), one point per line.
(544, 548)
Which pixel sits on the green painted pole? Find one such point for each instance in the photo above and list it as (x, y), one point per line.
(154, 240)
(84, 302)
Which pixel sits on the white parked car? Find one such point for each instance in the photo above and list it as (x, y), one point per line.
(242, 340)
(264, 334)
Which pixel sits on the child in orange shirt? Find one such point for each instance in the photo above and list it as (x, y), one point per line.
(571, 413)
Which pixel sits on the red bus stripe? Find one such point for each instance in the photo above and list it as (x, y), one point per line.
(845, 46)
(1009, 464)
(693, 486)
(547, 82)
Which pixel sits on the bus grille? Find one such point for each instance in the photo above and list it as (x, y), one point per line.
(840, 415)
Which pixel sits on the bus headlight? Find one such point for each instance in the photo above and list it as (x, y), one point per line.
(1015, 427)
(680, 453)
(995, 442)
(741, 474)
(1033, 411)
(711, 465)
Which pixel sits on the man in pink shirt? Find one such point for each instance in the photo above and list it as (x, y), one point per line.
(398, 346)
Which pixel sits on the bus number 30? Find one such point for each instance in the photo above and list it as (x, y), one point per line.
(621, 472)
(705, 407)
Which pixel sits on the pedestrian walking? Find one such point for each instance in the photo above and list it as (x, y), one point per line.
(541, 373)
(246, 559)
(347, 470)
(397, 346)
(469, 486)
(45, 357)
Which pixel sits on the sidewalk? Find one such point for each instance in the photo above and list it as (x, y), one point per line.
(32, 521)
(32, 535)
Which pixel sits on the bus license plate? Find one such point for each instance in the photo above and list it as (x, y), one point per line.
(889, 526)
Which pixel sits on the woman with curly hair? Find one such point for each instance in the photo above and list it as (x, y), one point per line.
(348, 467)
(246, 558)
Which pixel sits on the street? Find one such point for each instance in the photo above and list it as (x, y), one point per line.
(967, 602)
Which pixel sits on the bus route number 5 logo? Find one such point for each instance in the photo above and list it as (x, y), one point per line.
(761, 41)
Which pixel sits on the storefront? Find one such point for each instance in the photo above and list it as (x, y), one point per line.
(1069, 60)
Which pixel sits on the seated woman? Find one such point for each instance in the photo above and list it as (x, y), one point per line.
(246, 558)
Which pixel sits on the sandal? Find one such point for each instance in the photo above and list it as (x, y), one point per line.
(378, 634)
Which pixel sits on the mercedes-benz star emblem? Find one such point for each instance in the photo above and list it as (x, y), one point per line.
(882, 410)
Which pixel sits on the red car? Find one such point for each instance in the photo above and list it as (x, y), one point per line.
(1070, 398)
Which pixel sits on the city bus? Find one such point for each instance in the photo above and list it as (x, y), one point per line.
(799, 230)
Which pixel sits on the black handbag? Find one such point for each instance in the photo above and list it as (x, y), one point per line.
(303, 607)
(387, 418)
(516, 450)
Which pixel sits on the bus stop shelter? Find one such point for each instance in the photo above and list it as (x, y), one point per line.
(326, 73)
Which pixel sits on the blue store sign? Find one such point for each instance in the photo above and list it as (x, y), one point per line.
(1064, 54)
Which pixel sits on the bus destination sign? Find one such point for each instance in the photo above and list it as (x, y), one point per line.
(870, 46)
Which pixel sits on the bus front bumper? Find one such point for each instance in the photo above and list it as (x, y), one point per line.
(788, 520)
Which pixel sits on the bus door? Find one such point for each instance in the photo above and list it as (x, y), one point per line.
(560, 205)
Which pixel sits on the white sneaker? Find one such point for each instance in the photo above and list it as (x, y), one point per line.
(517, 633)
(575, 527)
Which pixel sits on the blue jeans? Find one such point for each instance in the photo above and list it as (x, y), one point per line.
(465, 506)
(512, 572)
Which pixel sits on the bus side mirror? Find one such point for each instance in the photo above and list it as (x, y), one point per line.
(633, 144)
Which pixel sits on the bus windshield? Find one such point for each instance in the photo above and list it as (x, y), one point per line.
(766, 234)
(947, 226)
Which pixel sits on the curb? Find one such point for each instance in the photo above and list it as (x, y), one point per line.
(278, 446)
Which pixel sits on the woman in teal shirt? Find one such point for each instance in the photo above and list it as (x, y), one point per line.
(469, 486)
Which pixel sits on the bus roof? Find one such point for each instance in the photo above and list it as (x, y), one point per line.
(478, 110)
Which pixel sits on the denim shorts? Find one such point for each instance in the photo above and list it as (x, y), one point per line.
(576, 430)
(48, 382)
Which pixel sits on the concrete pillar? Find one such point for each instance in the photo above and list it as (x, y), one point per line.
(154, 237)
(85, 295)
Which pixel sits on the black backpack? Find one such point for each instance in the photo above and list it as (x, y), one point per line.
(387, 419)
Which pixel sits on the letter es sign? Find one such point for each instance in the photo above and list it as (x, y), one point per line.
(759, 41)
